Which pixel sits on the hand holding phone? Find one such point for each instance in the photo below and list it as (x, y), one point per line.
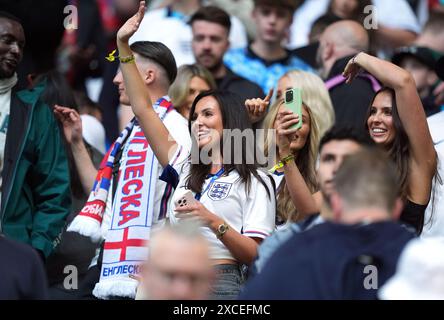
(186, 199)
(293, 102)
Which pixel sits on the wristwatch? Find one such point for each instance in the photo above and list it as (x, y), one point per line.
(221, 230)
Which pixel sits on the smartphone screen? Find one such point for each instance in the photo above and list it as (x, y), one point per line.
(293, 101)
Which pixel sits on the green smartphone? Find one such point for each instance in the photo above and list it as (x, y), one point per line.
(293, 101)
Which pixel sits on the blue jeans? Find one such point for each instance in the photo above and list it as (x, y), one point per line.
(228, 283)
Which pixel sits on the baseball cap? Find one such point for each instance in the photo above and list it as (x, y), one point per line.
(423, 54)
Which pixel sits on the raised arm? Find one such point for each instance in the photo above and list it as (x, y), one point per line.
(72, 129)
(411, 113)
(154, 129)
(304, 201)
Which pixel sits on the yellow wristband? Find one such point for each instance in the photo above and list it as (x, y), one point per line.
(127, 59)
(282, 163)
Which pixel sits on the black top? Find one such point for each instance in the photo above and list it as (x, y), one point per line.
(413, 215)
(331, 261)
(350, 101)
(21, 272)
(244, 88)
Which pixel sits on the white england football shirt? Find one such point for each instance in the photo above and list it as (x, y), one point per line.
(251, 214)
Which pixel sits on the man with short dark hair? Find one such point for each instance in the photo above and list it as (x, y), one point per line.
(350, 257)
(266, 59)
(211, 27)
(337, 143)
(127, 196)
(172, 28)
(35, 189)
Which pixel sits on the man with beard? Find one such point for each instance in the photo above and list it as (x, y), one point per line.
(337, 45)
(211, 27)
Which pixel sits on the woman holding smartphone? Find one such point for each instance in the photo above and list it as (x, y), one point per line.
(236, 201)
(396, 121)
(297, 141)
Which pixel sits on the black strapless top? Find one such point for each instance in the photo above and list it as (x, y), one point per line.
(413, 215)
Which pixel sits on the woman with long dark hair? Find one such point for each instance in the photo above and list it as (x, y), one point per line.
(232, 199)
(396, 121)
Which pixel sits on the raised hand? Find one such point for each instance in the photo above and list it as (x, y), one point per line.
(131, 25)
(284, 120)
(72, 124)
(257, 107)
(352, 69)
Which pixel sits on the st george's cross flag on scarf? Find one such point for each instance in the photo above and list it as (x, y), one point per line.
(132, 211)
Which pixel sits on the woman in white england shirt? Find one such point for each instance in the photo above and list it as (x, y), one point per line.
(237, 202)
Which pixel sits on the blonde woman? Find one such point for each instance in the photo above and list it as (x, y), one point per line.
(298, 194)
(190, 81)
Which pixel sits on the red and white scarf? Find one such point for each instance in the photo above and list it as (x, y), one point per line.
(131, 213)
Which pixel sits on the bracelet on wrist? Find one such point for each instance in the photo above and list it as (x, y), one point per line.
(127, 59)
(282, 163)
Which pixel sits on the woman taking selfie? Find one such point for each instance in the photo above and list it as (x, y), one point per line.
(298, 194)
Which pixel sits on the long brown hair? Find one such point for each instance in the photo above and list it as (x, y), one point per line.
(398, 149)
(234, 116)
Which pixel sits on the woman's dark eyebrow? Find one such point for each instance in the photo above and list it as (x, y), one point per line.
(206, 109)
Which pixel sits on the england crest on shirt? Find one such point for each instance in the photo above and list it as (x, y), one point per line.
(219, 190)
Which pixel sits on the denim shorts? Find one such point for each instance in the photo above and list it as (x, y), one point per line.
(228, 282)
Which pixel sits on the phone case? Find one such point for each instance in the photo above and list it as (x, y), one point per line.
(186, 198)
(295, 105)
